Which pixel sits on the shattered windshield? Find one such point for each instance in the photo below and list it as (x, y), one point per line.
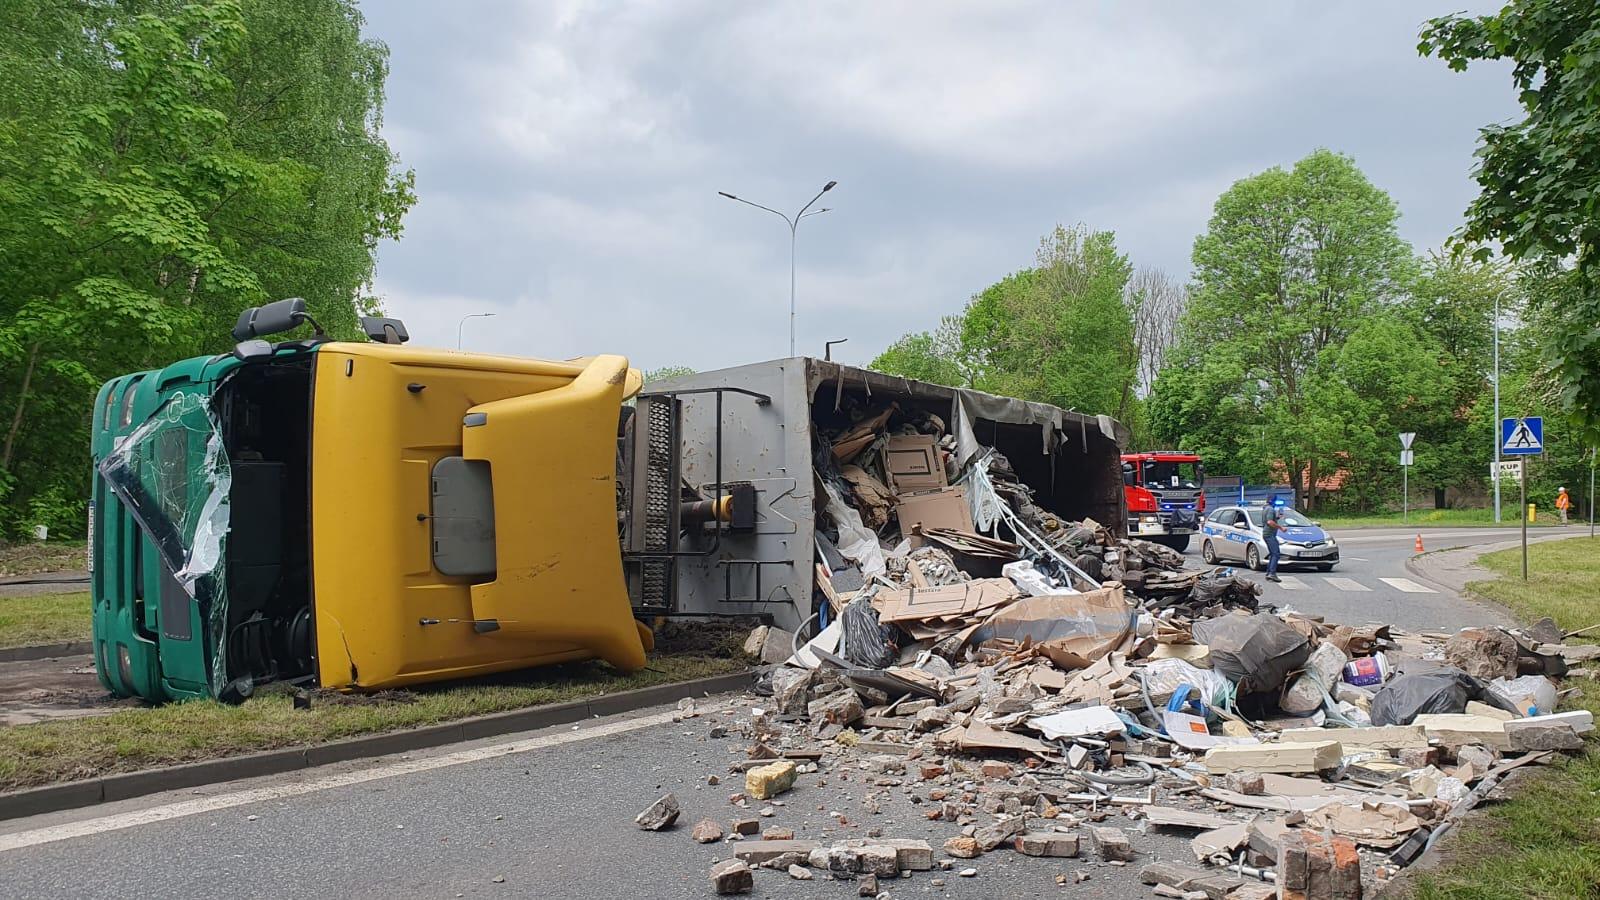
(172, 473)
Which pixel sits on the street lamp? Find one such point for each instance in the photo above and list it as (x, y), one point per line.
(464, 322)
(794, 225)
(1494, 429)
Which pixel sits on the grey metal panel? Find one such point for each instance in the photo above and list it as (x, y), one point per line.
(769, 446)
(463, 517)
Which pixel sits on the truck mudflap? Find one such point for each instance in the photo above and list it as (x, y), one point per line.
(558, 569)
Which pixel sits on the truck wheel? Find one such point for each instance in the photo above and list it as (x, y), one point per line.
(1252, 558)
(1208, 553)
(1178, 542)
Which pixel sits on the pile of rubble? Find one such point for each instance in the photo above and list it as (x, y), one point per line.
(1045, 688)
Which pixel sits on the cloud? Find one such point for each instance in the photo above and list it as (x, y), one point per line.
(568, 154)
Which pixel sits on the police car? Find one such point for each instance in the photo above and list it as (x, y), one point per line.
(1234, 534)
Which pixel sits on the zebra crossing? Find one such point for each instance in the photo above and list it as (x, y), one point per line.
(1349, 585)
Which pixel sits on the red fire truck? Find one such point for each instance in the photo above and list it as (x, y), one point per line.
(1165, 497)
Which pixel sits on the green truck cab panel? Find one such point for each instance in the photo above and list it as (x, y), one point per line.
(151, 638)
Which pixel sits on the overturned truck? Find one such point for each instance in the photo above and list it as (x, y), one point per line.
(364, 515)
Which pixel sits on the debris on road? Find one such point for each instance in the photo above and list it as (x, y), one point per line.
(1048, 688)
(659, 815)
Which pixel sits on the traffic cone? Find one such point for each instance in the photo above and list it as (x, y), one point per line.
(1419, 543)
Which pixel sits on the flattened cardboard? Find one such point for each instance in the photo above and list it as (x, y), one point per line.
(912, 463)
(935, 509)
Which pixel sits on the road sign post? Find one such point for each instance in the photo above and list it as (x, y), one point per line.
(1406, 437)
(1523, 436)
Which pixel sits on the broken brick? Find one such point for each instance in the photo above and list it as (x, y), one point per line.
(962, 847)
(1111, 844)
(764, 782)
(1047, 844)
(732, 877)
(706, 832)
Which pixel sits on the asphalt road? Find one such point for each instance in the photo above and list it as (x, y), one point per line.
(550, 813)
(1372, 584)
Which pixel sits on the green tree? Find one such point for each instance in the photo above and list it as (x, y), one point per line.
(1061, 332)
(933, 356)
(1290, 263)
(163, 165)
(1453, 302)
(1539, 178)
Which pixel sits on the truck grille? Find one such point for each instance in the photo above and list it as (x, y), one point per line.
(659, 489)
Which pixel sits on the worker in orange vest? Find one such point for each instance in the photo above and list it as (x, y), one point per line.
(1563, 503)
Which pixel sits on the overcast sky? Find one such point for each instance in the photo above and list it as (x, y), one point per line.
(568, 154)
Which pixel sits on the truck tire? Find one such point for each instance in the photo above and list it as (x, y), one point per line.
(1178, 542)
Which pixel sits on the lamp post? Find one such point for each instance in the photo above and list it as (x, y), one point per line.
(794, 226)
(1494, 429)
(464, 322)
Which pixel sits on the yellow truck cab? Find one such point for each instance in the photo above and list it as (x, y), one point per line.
(355, 515)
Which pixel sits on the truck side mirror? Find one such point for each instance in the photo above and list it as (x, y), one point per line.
(273, 318)
(381, 330)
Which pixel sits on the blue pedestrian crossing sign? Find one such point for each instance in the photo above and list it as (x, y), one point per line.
(1522, 437)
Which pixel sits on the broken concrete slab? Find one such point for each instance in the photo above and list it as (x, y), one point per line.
(1486, 653)
(1458, 729)
(1183, 818)
(758, 852)
(1375, 737)
(994, 834)
(1245, 782)
(659, 815)
(1554, 732)
(1294, 758)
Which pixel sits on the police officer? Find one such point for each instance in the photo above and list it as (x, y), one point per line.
(1270, 532)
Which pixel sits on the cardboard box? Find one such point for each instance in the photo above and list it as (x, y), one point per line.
(913, 464)
(935, 509)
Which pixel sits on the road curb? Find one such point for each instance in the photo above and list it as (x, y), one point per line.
(45, 651)
(89, 792)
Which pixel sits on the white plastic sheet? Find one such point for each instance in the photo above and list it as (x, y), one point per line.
(856, 542)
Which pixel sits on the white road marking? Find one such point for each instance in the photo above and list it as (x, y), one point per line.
(1356, 559)
(1408, 586)
(136, 818)
(1346, 584)
(1291, 583)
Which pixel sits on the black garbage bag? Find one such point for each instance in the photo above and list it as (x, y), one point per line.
(867, 643)
(1256, 652)
(1426, 691)
(1220, 586)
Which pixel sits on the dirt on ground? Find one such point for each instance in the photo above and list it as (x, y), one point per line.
(40, 557)
(63, 687)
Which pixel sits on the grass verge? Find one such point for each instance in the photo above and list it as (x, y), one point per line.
(1545, 841)
(44, 619)
(36, 558)
(148, 737)
(1452, 518)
